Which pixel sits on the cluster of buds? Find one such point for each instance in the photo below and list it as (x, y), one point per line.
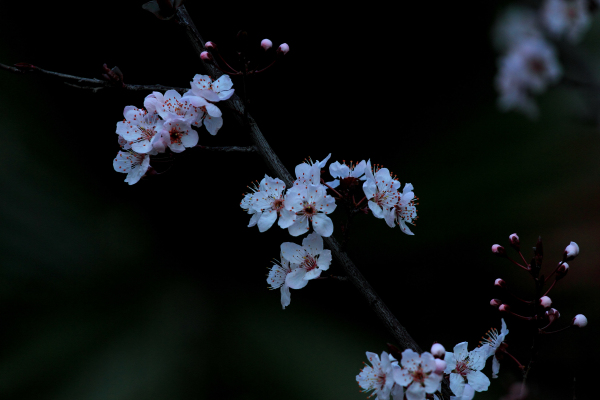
(541, 304)
(212, 51)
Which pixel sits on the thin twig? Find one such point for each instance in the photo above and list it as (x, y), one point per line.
(99, 83)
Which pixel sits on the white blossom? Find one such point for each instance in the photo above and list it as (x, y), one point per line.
(308, 205)
(527, 69)
(277, 276)
(269, 202)
(491, 343)
(178, 134)
(246, 204)
(378, 377)
(140, 130)
(468, 394)
(566, 18)
(417, 374)
(309, 172)
(221, 89)
(403, 211)
(343, 171)
(133, 164)
(515, 25)
(381, 190)
(465, 367)
(311, 258)
(172, 105)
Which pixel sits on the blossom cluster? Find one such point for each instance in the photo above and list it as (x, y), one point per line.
(307, 204)
(417, 375)
(166, 121)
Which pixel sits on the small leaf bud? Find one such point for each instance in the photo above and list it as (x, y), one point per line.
(571, 251)
(210, 45)
(283, 49)
(266, 44)
(497, 249)
(205, 55)
(580, 320)
(545, 301)
(504, 308)
(437, 350)
(500, 283)
(495, 302)
(440, 366)
(514, 241)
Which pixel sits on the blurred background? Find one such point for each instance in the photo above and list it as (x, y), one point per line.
(158, 290)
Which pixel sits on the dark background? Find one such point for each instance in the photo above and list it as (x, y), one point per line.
(158, 291)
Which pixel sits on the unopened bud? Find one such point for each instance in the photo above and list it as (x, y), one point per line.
(562, 270)
(440, 366)
(495, 303)
(283, 48)
(571, 251)
(266, 44)
(210, 45)
(205, 55)
(514, 241)
(545, 301)
(504, 308)
(580, 320)
(437, 350)
(552, 314)
(500, 283)
(497, 249)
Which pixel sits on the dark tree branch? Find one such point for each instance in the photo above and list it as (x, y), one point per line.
(249, 149)
(277, 167)
(72, 80)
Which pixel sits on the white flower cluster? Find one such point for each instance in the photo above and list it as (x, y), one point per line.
(420, 374)
(529, 64)
(166, 121)
(307, 204)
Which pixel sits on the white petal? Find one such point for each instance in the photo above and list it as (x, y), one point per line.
(460, 351)
(323, 225)
(285, 296)
(213, 124)
(286, 219)
(402, 376)
(267, 220)
(410, 359)
(415, 392)
(254, 219)
(376, 209)
(292, 252)
(300, 227)
(450, 362)
(324, 260)
(457, 384)
(295, 279)
(313, 243)
(495, 367)
(312, 274)
(478, 381)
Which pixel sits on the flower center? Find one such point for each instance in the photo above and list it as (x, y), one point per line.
(309, 209)
(277, 204)
(309, 263)
(462, 368)
(418, 375)
(537, 66)
(175, 135)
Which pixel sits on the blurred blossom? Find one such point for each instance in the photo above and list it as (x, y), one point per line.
(566, 18)
(514, 25)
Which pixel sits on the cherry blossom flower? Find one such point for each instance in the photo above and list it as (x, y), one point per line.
(276, 279)
(491, 343)
(514, 25)
(571, 251)
(269, 202)
(140, 129)
(178, 134)
(173, 106)
(133, 164)
(417, 374)
(378, 377)
(125, 145)
(566, 18)
(308, 205)
(528, 68)
(311, 258)
(343, 171)
(381, 190)
(221, 89)
(403, 211)
(309, 172)
(465, 367)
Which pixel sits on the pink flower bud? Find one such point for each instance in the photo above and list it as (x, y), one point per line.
(552, 314)
(504, 308)
(545, 301)
(571, 251)
(562, 270)
(283, 48)
(514, 241)
(580, 320)
(266, 44)
(497, 249)
(499, 282)
(205, 55)
(437, 350)
(495, 303)
(440, 366)
(210, 45)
